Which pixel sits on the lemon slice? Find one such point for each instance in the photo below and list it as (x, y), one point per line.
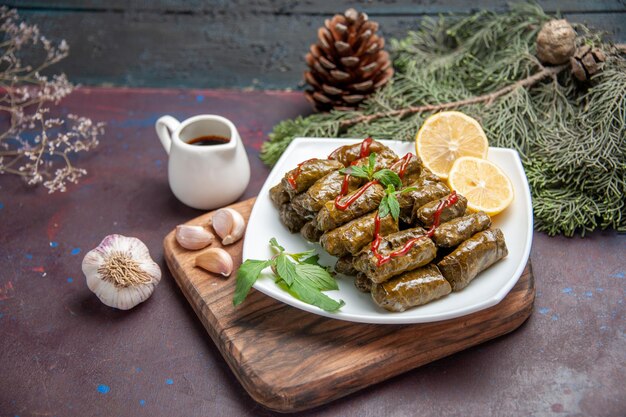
(483, 183)
(446, 136)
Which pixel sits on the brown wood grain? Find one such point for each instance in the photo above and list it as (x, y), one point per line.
(290, 360)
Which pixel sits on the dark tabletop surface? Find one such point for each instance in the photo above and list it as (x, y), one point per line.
(63, 353)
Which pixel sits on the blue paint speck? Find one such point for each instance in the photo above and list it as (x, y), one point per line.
(169, 381)
(603, 327)
(54, 244)
(70, 280)
(199, 98)
(103, 389)
(137, 369)
(1, 206)
(599, 289)
(567, 290)
(588, 294)
(554, 317)
(544, 310)
(142, 402)
(125, 146)
(1, 315)
(28, 256)
(618, 275)
(75, 251)
(158, 163)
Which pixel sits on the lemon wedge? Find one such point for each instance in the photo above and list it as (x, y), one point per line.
(483, 183)
(446, 136)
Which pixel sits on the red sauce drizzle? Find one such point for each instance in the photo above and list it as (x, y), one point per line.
(352, 199)
(383, 259)
(365, 147)
(291, 179)
(363, 152)
(405, 160)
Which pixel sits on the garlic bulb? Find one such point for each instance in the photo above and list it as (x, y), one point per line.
(193, 237)
(216, 260)
(229, 225)
(120, 271)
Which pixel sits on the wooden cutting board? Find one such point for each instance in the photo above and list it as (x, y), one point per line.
(290, 360)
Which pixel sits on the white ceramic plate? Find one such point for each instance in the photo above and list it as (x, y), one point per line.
(486, 290)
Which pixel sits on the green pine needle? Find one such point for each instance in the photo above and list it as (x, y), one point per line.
(572, 139)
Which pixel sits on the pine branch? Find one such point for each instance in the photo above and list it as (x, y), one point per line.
(485, 98)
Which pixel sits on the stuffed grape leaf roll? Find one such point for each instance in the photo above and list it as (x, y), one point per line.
(345, 266)
(457, 230)
(347, 154)
(279, 195)
(310, 232)
(290, 218)
(411, 289)
(425, 192)
(354, 205)
(426, 213)
(472, 257)
(306, 174)
(353, 236)
(421, 250)
(362, 282)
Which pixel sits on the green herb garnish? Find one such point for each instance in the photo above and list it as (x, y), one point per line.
(299, 274)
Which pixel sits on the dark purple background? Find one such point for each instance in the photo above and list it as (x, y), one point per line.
(63, 353)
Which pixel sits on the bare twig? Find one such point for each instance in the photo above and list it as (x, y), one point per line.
(485, 98)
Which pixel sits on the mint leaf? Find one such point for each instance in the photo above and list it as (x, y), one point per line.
(285, 268)
(306, 292)
(276, 246)
(356, 171)
(387, 177)
(383, 207)
(371, 165)
(394, 206)
(313, 260)
(406, 190)
(317, 276)
(301, 256)
(247, 275)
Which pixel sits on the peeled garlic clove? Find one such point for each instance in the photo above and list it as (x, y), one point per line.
(229, 225)
(215, 260)
(193, 237)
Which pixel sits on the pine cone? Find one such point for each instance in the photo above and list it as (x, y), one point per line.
(586, 62)
(347, 64)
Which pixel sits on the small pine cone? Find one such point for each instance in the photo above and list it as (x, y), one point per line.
(347, 64)
(586, 62)
(556, 42)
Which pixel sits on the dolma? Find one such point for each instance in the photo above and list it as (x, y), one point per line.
(353, 236)
(457, 230)
(421, 253)
(298, 205)
(363, 283)
(411, 289)
(344, 265)
(425, 192)
(325, 189)
(366, 199)
(310, 232)
(472, 257)
(408, 168)
(426, 213)
(350, 153)
(290, 218)
(279, 195)
(306, 173)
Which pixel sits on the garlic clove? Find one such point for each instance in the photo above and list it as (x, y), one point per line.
(215, 260)
(229, 225)
(193, 237)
